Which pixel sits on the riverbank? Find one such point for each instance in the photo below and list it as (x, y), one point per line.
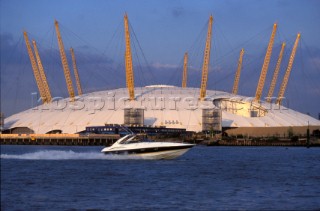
(109, 139)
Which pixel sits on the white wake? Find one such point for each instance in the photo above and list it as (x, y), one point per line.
(65, 155)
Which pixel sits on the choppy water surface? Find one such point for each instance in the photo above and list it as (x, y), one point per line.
(206, 178)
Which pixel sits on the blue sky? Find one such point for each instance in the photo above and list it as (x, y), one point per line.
(165, 30)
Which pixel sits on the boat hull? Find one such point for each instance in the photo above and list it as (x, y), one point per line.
(163, 155)
(158, 153)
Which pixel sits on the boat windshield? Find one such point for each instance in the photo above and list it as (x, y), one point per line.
(125, 140)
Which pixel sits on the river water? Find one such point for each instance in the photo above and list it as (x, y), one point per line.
(205, 178)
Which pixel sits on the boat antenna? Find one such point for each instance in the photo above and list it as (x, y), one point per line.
(127, 129)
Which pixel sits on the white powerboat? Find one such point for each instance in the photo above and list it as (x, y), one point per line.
(147, 149)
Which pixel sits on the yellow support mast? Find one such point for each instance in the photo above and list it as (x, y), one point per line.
(128, 60)
(64, 62)
(265, 65)
(42, 73)
(76, 74)
(288, 71)
(35, 69)
(237, 77)
(275, 74)
(185, 69)
(206, 60)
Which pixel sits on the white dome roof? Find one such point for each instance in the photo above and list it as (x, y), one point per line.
(173, 107)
